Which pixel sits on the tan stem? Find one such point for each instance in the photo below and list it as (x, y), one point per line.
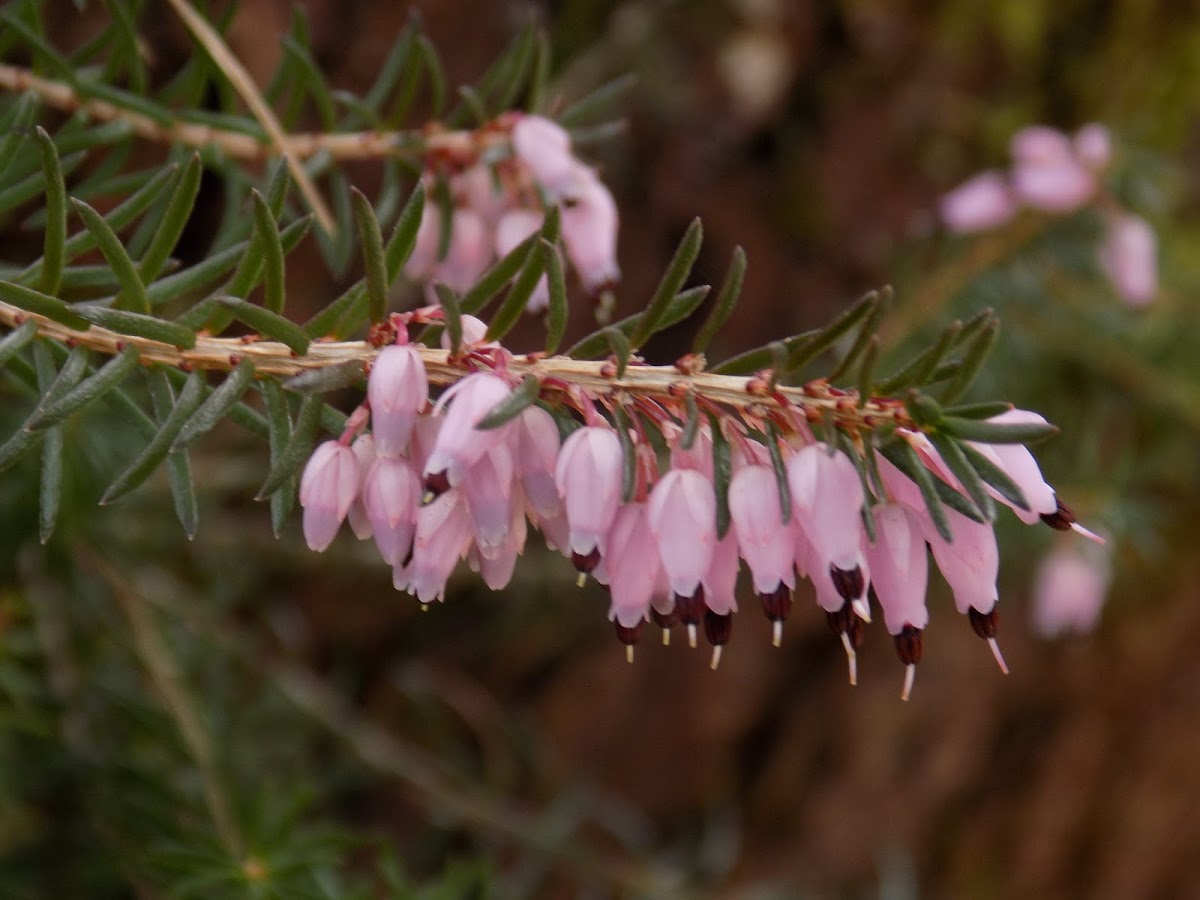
(663, 383)
(352, 145)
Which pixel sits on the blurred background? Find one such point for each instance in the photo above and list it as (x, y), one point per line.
(505, 734)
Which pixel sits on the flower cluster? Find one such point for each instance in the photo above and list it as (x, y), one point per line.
(1058, 174)
(659, 506)
(496, 184)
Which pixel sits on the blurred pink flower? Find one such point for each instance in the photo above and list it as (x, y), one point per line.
(1068, 592)
(589, 230)
(1129, 257)
(980, 203)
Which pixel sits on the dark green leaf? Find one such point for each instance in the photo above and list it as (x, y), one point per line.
(866, 332)
(173, 221)
(373, 260)
(267, 232)
(558, 311)
(619, 345)
(495, 278)
(216, 406)
(404, 235)
(628, 454)
(918, 371)
(326, 378)
(179, 284)
(41, 304)
(995, 476)
(522, 397)
(179, 467)
(298, 448)
(16, 341)
(672, 280)
(956, 461)
(976, 355)
(50, 492)
(15, 128)
(781, 481)
(586, 107)
(866, 370)
(437, 75)
(105, 378)
(831, 333)
(34, 184)
(722, 470)
(137, 325)
(984, 410)
(133, 290)
(155, 453)
(280, 434)
(997, 432)
(723, 306)
(684, 304)
(54, 252)
(925, 411)
(691, 426)
(268, 324)
(452, 315)
(761, 357)
(535, 98)
(517, 300)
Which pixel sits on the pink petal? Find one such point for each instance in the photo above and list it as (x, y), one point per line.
(683, 512)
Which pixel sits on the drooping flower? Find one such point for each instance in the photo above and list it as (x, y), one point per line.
(397, 390)
(589, 230)
(360, 523)
(765, 540)
(682, 511)
(1068, 592)
(327, 488)
(900, 574)
(459, 443)
(1129, 257)
(588, 474)
(544, 147)
(443, 535)
(536, 454)
(391, 493)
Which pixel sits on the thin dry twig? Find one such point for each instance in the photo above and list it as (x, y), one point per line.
(249, 92)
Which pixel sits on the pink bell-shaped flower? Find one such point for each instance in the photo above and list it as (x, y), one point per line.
(720, 579)
(360, 523)
(588, 474)
(899, 567)
(474, 330)
(537, 447)
(459, 444)
(497, 570)
(589, 230)
(1040, 145)
(469, 254)
(488, 488)
(544, 147)
(981, 203)
(1018, 463)
(327, 488)
(1129, 257)
(443, 535)
(397, 391)
(391, 493)
(682, 511)
(764, 539)
(632, 565)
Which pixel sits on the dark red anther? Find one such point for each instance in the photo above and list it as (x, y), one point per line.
(840, 621)
(777, 605)
(690, 609)
(983, 624)
(585, 563)
(717, 628)
(856, 632)
(909, 646)
(663, 620)
(1061, 519)
(629, 636)
(437, 483)
(849, 582)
